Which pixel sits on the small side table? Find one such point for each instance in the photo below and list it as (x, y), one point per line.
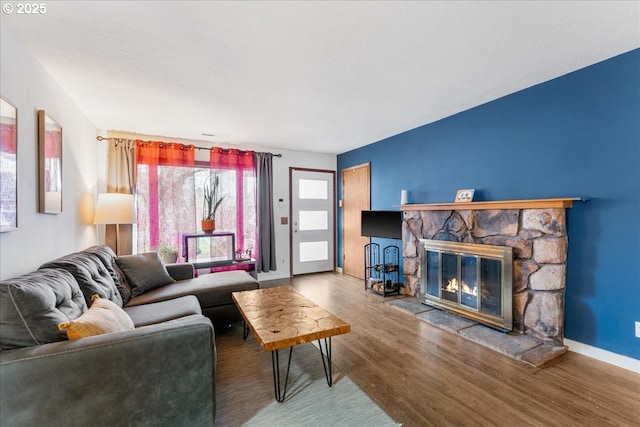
(215, 260)
(219, 260)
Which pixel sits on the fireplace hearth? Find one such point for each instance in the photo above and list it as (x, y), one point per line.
(469, 279)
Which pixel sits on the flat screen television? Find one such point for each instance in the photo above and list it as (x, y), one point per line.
(382, 224)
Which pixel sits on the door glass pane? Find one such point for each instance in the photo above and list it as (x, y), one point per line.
(491, 279)
(450, 286)
(313, 189)
(469, 281)
(314, 220)
(314, 251)
(433, 267)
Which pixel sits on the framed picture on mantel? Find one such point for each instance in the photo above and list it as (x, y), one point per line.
(465, 196)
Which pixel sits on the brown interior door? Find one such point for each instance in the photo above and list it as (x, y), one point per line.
(356, 197)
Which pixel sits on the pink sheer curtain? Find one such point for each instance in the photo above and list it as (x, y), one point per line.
(166, 194)
(236, 171)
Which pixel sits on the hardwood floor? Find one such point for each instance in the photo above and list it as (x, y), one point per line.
(424, 376)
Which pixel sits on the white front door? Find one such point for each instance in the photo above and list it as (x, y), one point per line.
(313, 221)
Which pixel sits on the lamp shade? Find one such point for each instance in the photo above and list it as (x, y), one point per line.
(115, 208)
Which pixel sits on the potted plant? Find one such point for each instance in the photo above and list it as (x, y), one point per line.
(212, 201)
(168, 254)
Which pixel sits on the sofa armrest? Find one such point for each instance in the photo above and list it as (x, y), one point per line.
(181, 271)
(161, 375)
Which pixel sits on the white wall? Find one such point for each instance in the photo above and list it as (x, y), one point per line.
(281, 165)
(41, 237)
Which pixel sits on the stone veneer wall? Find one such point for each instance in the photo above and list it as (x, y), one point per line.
(539, 240)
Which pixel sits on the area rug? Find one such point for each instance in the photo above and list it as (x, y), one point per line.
(246, 395)
(313, 403)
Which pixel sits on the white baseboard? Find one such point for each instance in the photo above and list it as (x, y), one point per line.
(339, 270)
(618, 360)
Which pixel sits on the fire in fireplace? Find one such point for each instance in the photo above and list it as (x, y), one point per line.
(469, 279)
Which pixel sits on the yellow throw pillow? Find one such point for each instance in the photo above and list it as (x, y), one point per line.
(102, 318)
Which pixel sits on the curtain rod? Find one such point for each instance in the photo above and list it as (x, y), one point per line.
(102, 138)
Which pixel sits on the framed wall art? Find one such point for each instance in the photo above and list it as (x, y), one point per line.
(49, 164)
(465, 196)
(8, 166)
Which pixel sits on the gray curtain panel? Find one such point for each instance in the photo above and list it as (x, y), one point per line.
(266, 231)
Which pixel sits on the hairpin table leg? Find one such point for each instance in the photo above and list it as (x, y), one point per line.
(327, 366)
(275, 361)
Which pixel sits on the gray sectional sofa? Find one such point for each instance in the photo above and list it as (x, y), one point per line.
(161, 373)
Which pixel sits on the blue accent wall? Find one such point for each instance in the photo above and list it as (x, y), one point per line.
(575, 136)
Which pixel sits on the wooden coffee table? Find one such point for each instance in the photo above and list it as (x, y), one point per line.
(280, 318)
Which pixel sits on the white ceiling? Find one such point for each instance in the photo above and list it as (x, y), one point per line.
(312, 76)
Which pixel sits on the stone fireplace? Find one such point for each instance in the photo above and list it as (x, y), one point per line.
(534, 231)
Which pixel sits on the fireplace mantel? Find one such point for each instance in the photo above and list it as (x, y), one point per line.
(499, 204)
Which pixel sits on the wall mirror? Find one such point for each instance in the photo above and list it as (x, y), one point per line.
(49, 164)
(8, 166)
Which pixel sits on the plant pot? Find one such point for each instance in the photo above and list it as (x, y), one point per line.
(170, 258)
(208, 225)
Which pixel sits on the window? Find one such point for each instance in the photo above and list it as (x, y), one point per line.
(170, 202)
(237, 213)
